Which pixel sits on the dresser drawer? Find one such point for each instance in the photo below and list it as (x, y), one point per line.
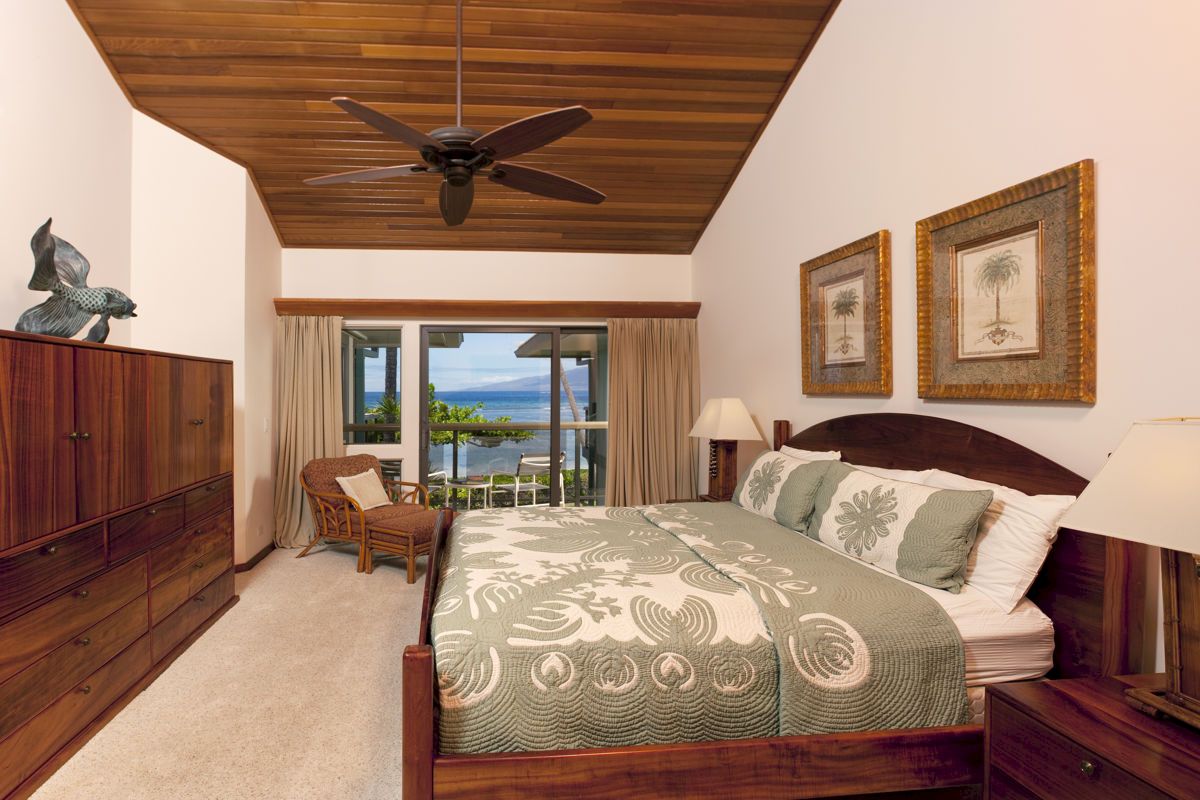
(45, 734)
(208, 499)
(35, 633)
(32, 689)
(34, 574)
(1054, 767)
(188, 582)
(138, 530)
(176, 554)
(191, 615)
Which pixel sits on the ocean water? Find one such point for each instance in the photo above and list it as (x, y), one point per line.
(526, 406)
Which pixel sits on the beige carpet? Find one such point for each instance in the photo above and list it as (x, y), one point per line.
(294, 693)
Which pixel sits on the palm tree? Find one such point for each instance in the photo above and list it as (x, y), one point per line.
(999, 272)
(389, 371)
(845, 305)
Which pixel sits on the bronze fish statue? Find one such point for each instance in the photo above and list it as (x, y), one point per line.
(62, 270)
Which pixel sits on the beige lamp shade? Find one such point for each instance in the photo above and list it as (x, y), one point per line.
(725, 418)
(1149, 490)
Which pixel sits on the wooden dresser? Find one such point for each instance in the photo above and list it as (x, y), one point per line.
(116, 534)
(1078, 739)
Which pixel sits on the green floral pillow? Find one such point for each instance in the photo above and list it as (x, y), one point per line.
(918, 532)
(781, 488)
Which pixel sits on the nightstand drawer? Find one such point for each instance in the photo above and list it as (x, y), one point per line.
(1050, 766)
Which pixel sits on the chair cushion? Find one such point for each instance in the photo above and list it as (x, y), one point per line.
(321, 474)
(418, 521)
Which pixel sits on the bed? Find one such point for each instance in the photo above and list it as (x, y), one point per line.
(1090, 588)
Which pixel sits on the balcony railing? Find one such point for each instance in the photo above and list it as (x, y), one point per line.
(466, 431)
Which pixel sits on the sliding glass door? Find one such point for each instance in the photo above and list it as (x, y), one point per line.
(514, 416)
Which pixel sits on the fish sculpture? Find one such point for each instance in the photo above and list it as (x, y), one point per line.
(63, 271)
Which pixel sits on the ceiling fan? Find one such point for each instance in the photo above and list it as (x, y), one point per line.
(458, 154)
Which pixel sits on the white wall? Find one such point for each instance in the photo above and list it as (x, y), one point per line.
(205, 267)
(907, 109)
(64, 153)
(471, 275)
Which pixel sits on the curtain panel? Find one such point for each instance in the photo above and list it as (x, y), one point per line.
(654, 398)
(308, 406)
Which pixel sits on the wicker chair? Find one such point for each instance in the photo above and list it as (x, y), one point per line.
(406, 527)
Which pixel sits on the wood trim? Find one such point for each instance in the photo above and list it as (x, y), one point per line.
(116, 348)
(737, 170)
(254, 559)
(787, 766)
(43, 773)
(485, 309)
(419, 722)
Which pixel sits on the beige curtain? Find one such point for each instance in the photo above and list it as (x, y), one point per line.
(308, 410)
(654, 398)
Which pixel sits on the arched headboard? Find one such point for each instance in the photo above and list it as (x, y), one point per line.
(1092, 587)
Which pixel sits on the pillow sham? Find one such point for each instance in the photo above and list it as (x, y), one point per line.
(920, 533)
(365, 489)
(811, 455)
(1015, 536)
(781, 488)
(909, 475)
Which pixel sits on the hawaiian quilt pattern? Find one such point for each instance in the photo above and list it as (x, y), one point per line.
(559, 628)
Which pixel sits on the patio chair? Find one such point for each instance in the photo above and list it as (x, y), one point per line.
(525, 479)
(405, 527)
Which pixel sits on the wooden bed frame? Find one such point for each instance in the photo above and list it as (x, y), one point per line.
(1092, 587)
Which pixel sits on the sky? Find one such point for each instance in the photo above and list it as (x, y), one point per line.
(483, 358)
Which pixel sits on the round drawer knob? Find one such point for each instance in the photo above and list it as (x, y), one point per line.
(199, 598)
(85, 436)
(85, 689)
(84, 641)
(198, 565)
(152, 511)
(1087, 768)
(51, 550)
(82, 594)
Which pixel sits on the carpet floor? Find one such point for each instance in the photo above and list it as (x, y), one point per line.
(294, 693)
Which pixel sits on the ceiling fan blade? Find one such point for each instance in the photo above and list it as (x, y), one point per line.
(531, 133)
(372, 174)
(455, 201)
(392, 127)
(547, 184)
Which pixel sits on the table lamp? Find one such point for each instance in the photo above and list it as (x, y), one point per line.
(1147, 493)
(723, 422)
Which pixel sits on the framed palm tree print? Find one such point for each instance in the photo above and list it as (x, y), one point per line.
(845, 319)
(1006, 293)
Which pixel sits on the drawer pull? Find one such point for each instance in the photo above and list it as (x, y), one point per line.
(151, 512)
(85, 689)
(197, 422)
(85, 436)
(82, 594)
(1087, 768)
(198, 565)
(212, 487)
(51, 550)
(198, 598)
(84, 641)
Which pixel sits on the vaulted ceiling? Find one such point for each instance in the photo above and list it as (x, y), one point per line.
(680, 91)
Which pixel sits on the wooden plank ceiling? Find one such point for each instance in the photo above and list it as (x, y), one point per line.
(679, 90)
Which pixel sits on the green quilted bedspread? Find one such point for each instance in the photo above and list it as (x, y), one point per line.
(596, 627)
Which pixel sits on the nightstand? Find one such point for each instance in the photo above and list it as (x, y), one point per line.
(1079, 739)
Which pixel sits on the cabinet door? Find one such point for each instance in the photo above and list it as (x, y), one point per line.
(210, 412)
(37, 459)
(172, 445)
(110, 416)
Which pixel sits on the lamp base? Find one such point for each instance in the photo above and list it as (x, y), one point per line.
(1158, 703)
(1181, 626)
(722, 468)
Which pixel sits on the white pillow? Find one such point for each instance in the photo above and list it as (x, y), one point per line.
(811, 455)
(907, 475)
(365, 489)
(1015, 535)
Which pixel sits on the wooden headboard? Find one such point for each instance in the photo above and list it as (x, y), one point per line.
(1092, 587)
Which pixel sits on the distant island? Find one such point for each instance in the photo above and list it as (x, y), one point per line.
(576, 376)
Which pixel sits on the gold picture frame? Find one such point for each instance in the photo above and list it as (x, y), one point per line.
(1006, 293)
(853, 286)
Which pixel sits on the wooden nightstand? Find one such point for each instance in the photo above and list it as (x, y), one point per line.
(1079, 739)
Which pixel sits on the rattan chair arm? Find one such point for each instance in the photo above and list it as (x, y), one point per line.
(419, 489)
